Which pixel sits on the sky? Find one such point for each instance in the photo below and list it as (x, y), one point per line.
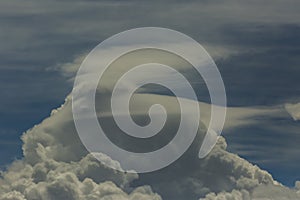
(254, 44)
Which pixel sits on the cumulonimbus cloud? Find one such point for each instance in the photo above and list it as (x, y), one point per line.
(57, 166)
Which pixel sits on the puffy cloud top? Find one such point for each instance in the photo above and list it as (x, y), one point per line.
(57, 166)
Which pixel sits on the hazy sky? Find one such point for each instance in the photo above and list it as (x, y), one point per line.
(256, 46)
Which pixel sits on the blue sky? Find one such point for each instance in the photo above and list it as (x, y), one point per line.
(256, 47)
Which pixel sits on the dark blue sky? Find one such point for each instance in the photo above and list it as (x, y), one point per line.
(256, 47)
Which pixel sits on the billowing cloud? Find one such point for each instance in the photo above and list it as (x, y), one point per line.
(57, 166)
(262, 192)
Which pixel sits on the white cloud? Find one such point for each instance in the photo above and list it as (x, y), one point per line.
(293, 110)
(261, 192)
(233, 195)
(85, 179)
(57, 166)
(14, 195)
